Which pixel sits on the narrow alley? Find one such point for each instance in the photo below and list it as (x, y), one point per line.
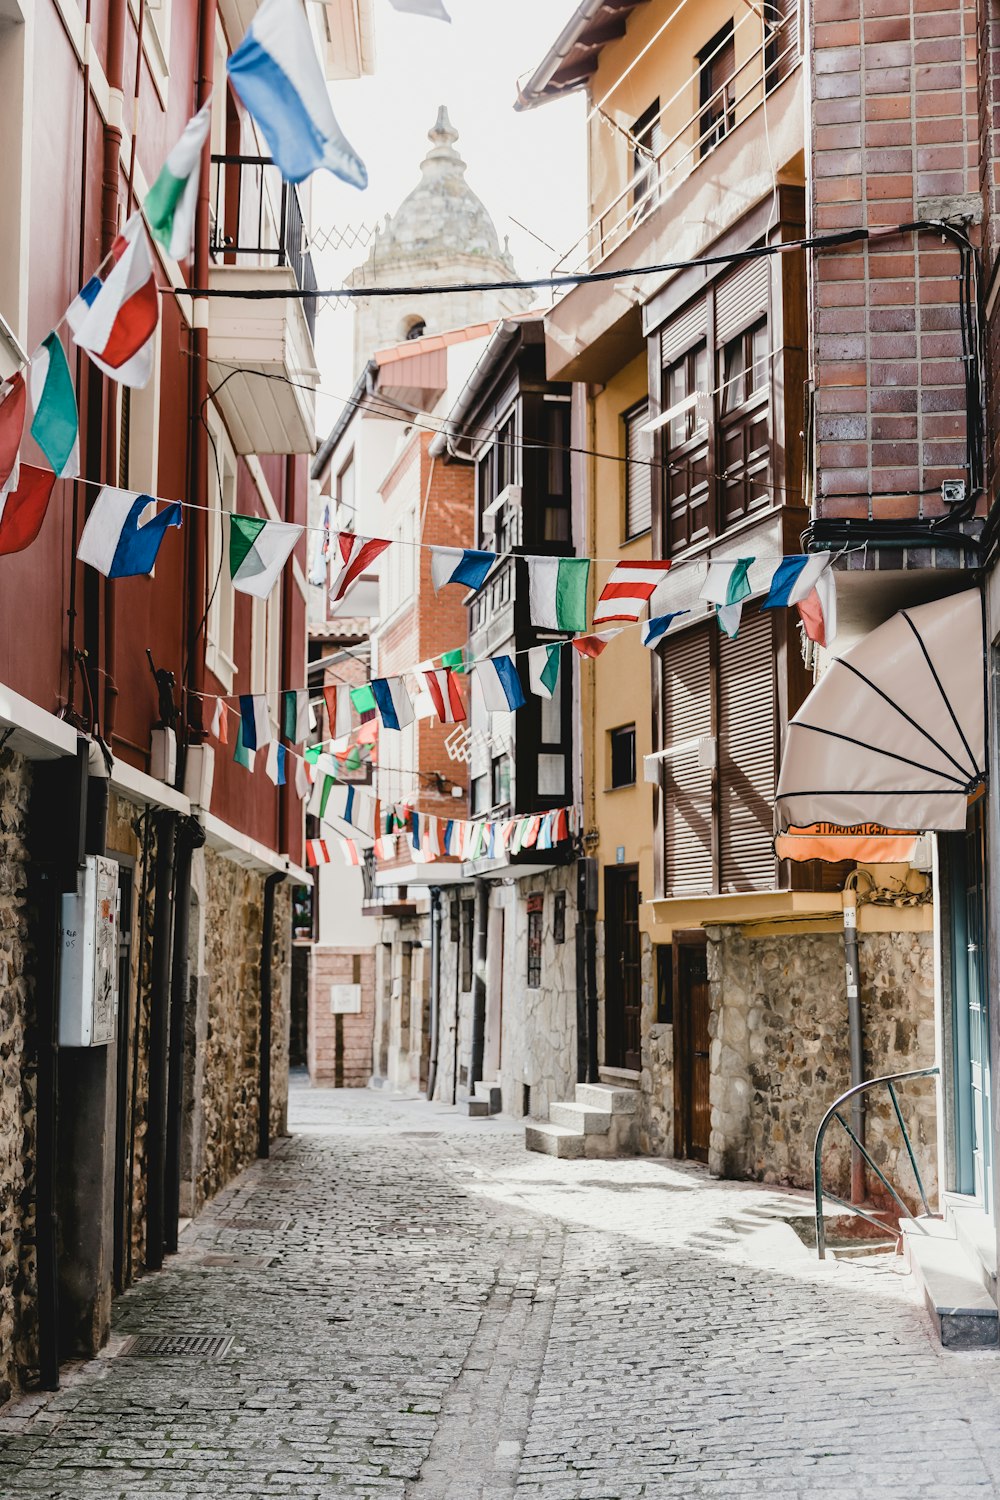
(419, 1307)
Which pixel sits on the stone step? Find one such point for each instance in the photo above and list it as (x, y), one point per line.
(581, 1118)
(477, 1109)
(962, 1310)
(607, 1100)
(976, 1234)
(555, 1140)
(491, 1093)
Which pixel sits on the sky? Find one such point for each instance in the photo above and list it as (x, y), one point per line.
(528, 166)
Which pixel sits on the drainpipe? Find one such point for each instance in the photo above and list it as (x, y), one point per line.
(436, 918)
(190, 836)
(159, 1033)
(479, 985)
(115, 74)
(859, 1190)
(266, 992)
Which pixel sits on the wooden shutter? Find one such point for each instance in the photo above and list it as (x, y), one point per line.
(638, 475)
(687, 712)
(747, 712)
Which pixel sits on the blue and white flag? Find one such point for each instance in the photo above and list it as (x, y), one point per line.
(458, 565)
(116, 541)
(807, 581)
(275, 766)
(255, 720)
(276, 72)
(655, 629)
(500, 685)
(394, 706)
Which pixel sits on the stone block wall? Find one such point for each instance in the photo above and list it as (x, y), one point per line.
(779, 1053)
(18, 1286)
(340, 1045)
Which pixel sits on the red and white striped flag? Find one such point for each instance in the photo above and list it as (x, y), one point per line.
(354, 554)
(628, 589)
(317, 853)
(446, 695)
(349, 850)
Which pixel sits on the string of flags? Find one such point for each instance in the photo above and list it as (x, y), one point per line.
(430, 837)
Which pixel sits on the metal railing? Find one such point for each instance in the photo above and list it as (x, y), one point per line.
(736, 100)
(257, 216)
(889, 1080)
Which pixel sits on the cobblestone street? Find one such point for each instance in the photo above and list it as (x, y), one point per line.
(420, 1308)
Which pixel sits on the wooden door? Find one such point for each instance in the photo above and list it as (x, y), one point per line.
(622, 968)
(692, 1110)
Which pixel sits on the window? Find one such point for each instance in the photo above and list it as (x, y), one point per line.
(501, 780)
(716, 94)
(221, 596)
(638, 472)
(468, 935)
(559, 918)
(498, 466)
(535, 941)
(416, 329)
(454, 915)
(265, 649)
(647, 137)
(686, 444)
(744, 377)
(345, 509)
(399, 573)
(622, 746)
(781, 47)
(480, 795)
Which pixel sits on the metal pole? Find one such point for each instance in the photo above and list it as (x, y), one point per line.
(479, 984)
(859, 1189)
(436, 919)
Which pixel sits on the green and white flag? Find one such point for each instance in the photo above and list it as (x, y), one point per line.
(241, 755)
(258, 550)
(726, 586)
(543, 669)
(55, 426)
(557, 592)
(172, 201)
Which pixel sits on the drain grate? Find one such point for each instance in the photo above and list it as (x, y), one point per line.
(277, 1226)
(234, 1262)
(209, 1345)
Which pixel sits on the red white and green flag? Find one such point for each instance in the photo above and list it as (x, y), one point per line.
(172, 201)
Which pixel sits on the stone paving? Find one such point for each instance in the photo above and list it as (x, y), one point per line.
(422, 1310)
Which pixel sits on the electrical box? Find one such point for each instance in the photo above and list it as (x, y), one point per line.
(88, 970)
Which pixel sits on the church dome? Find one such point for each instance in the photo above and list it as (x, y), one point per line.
(442, 214)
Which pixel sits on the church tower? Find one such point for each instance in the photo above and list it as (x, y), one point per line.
(441, 233)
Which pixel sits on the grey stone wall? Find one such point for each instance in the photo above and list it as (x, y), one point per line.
(18, 1328)
(779, 1052)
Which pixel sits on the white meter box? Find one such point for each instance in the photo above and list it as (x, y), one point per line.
(88, 973)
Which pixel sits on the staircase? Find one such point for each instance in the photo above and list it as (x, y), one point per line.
(954, 1262)
(601, 1121)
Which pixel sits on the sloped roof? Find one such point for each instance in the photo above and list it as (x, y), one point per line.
(574, 55)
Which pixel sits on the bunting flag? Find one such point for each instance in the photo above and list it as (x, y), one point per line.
(303, 786)
(442, 685)
(322, 788)
(349, 850)
(255, 720)
(295, 715)
(13, 402)
(220, 723)
(258, 550)
(116, 541)
(55, 426)
(656, 628)
(363, 700)
(353, 554)
(591, 646)
(381, 848)
(500, 685)
(276, 72)
(726, 586)
(454, 659)
(114, 318)
(242, 755)
(807, 581)
(317, 853)
(22, 510)
(173, 199)
(359, 811)
(393, 701)
(458, 565)
(557, 592)
(338, 710)
(321, 556)
(628, 590)
(432, 837)
(432, 8)
(275, 766)
(543, 669)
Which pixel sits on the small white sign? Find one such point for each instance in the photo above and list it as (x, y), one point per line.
(345, 999)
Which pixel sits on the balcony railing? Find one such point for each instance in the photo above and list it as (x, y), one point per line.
(257, 217)
(735, 101)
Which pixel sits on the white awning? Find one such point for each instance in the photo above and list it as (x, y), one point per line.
(894, 731)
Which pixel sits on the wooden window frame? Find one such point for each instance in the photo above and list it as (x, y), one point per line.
(621, 731)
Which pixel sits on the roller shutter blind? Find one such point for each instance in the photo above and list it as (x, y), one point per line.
(741, 298)
(688, 822)
(747, 715)
(638, 474)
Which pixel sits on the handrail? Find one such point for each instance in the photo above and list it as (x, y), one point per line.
(888, 1079)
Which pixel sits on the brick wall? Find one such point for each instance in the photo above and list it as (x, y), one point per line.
(340, 1045)
(895, 137)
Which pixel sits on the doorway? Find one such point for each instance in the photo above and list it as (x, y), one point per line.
(622, 969)
(692, 1110)
(493, 1049)
(970, 1009)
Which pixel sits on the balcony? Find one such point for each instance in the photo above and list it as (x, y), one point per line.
(261, 355)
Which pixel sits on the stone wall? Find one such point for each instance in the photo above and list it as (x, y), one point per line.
(779, 1052)
(456, 999)
(340, 1045)
(18, 1327)
(656, 1076)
